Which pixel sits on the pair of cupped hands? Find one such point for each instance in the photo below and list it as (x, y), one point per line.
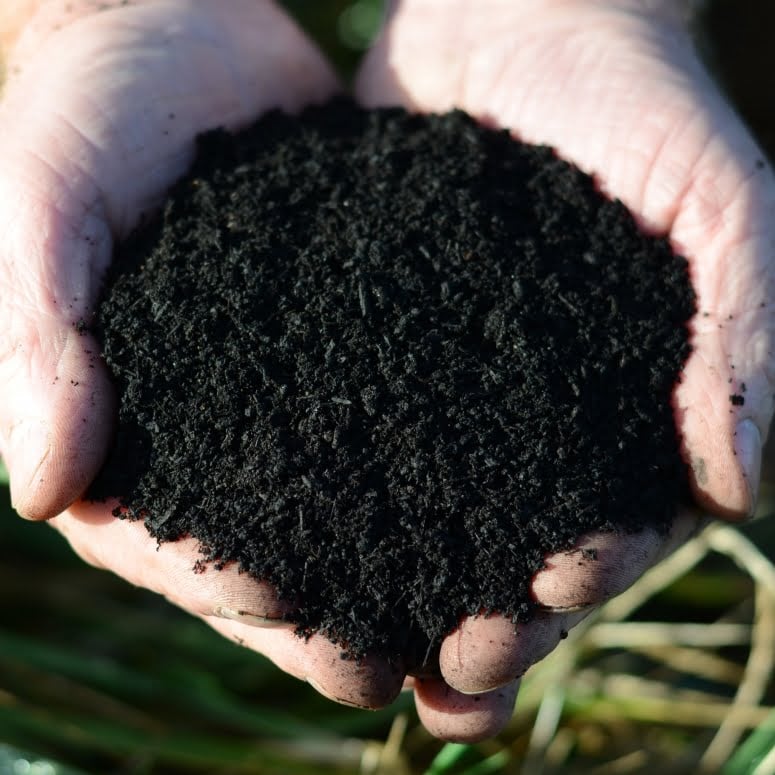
(99, 111)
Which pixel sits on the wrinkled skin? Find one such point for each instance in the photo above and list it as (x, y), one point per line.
(99, 111)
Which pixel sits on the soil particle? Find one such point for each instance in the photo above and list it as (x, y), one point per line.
(388, 362)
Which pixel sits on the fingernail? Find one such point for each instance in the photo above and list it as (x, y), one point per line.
(488, 689)
(319, 689)
(29, 445)
(565, 609)
(252, 620)
(748, 449)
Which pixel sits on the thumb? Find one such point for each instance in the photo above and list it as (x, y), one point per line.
(57, 398)
(53, 447)
(724, 401)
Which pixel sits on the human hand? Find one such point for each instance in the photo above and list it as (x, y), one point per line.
(616, 88)
(97, 118)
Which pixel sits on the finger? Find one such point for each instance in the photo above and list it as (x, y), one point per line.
(602, 565)
(233, 603)
(691, 171)
(368, 683)
(175, 569)
(488, 652)
(599, 567)
(463, 718)
(54, 385)
(94, 132)
(485, 652)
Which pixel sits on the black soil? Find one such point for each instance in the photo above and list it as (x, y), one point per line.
(388, 362)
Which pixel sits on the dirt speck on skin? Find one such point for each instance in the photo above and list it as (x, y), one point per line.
(389, 362)
(700, 470)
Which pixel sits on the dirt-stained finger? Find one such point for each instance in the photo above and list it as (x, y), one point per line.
(463, 718)
(176, 570)
(488, 652)
(602, 565)
(370, 683)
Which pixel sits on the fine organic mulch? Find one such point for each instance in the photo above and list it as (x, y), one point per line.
(389, 362)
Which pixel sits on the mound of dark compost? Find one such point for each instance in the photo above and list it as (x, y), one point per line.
(388, 362)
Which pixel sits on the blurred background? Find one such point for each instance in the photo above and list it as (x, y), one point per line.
(677, 674)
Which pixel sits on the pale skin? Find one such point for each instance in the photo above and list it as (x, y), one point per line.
(97, 118)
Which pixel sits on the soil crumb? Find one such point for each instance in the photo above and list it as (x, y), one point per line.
(389, 362)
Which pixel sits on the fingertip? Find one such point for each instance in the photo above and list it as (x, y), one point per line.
(722, 421)
(486, 653)
(27, 449)
(240, 598)
(54, 454)
(725, 484)
(721, 486)
(463, 718)
(599, 567)
(369, 683)
(482, 654)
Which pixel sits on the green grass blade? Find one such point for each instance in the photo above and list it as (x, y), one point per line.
(490, 765)
(758, 744)
(453, 753)
(447, 758)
